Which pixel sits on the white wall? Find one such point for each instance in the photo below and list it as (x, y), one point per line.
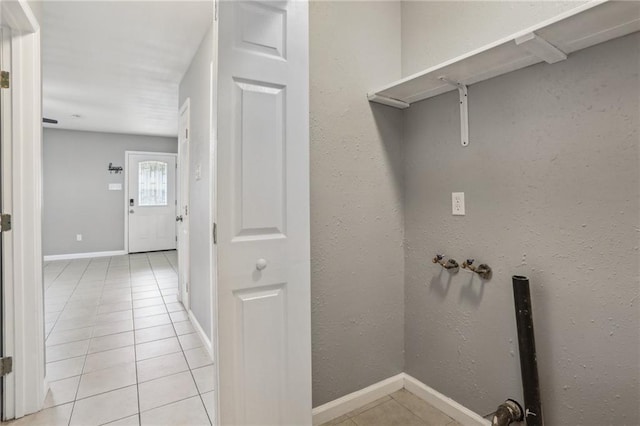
(551, 178)
(561, 154)
(548, 177)
(196, 85)
(356, 198)
(76, 195)
(435, 31)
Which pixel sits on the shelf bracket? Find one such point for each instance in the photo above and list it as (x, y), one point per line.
(464, 110)
(384, 100)
(541, 48)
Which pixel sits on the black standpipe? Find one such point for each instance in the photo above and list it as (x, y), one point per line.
(527, 348)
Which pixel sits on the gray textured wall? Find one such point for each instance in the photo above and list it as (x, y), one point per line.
(196, 85)
(551, 179)
(436, 31)
(76, 195)
(356, 198)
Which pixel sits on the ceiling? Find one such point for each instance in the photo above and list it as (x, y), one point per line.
(115, 66)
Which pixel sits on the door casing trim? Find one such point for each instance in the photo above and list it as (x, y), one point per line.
(23, 321)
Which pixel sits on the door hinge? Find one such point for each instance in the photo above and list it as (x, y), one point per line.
(215, 233)
(6, 366)
(5, 222)
(188, 286)
(5, 78)
(186, 133)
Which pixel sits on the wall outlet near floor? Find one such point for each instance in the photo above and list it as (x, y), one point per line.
(78, 237)
(457, 203)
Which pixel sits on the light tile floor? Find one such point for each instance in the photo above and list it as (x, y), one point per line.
(121, 351)
(401, 408)
(120, 347)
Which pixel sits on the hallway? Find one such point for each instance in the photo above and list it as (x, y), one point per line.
(120, 347)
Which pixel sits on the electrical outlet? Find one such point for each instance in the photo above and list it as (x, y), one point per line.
(78, 237)
(457, 203)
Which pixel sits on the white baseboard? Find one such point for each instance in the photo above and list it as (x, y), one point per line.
(451, 408)
(84, 255)
(355, 400)
(203, 336)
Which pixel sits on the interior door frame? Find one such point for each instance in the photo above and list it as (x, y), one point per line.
(126, 188)
(5, 169)
(23, 317)
(183, 199)
(213, 161)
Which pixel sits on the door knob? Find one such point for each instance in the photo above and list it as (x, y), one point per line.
(261, 264)
(131, 211)
(178, 218)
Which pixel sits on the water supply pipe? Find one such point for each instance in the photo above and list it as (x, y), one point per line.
(527, 348)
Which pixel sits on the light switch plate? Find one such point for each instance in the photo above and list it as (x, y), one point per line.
(115, 187)
(457, 203)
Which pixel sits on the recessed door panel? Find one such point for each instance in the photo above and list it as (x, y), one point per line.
(261, 29)
(261, 325)
(259, 160)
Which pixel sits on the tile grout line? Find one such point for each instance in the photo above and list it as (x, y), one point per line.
(204, 407)
(409, 409)
(73, 407)
(175, 335)
(68, 298)
(165, 303)
(213, 361)
(65, 307)
(190, 369)
(106, 368)
(352, 416)
(135, 351)
(59, 273)
(76, 399)
(98, 394)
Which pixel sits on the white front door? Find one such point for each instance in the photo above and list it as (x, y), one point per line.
(263, 214)
(151, 203)
(183, 203)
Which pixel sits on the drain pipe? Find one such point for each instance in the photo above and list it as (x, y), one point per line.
(508, 412)
(527, 348)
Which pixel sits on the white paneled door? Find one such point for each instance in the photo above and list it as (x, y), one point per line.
(182, 218)
(151, 201)
(263, 213)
